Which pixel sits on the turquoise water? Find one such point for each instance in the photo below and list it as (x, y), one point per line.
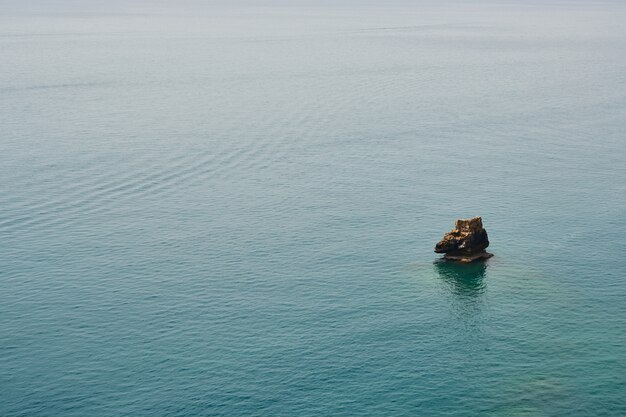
(231, 210)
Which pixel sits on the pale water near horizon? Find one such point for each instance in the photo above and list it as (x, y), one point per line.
(216, 210)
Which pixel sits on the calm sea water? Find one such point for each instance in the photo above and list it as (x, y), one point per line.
(231, 210)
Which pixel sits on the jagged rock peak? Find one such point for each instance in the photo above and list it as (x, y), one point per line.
(474, 224)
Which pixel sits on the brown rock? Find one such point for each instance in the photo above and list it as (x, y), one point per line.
(466, 243)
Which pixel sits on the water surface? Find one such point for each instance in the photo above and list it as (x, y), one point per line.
(231, 210)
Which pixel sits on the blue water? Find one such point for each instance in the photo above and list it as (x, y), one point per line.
(230, 210)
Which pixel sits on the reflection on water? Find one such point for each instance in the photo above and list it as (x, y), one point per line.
(466, 280)
(464, 286)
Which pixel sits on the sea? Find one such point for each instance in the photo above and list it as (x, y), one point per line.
(213, 208)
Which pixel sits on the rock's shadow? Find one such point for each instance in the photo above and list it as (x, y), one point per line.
(463, 279)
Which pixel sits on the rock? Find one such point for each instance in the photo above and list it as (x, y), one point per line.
(468, 258)
(466, 243)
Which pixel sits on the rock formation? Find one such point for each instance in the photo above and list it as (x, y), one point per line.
(466, 243)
